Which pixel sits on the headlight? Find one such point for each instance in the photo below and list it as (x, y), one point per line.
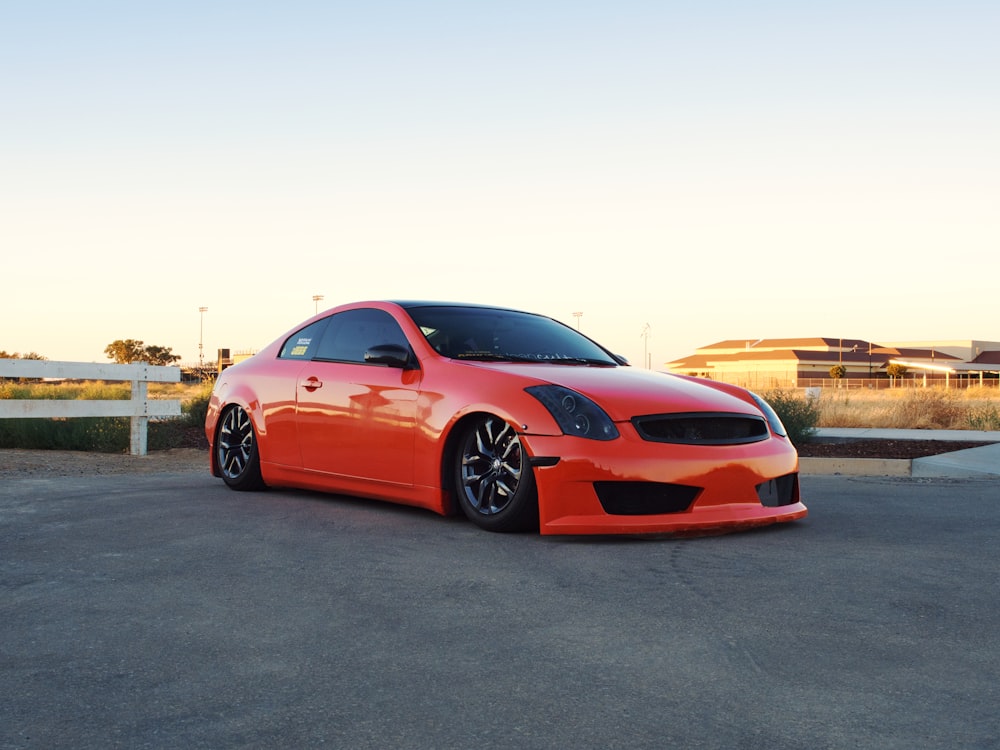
(575, 413)
(770, 414)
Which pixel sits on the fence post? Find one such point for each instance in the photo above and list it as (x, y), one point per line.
(139, 425)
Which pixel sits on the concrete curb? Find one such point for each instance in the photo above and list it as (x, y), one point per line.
(857, 467)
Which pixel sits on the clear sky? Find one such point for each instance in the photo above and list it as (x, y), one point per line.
(716, 170)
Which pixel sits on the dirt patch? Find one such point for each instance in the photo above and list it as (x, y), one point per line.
(884, 448)
(38, 463)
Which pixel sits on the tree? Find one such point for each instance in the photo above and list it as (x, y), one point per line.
(837, 372)
(160, 355)
(126, 351)
(895, 370)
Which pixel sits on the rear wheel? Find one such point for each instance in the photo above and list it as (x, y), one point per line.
(493, 479)
(236, 451)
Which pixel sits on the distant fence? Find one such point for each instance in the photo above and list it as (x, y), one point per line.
(765, 381)
(139, 408)
(909, 381)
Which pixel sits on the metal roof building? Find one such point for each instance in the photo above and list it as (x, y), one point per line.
(801, 362)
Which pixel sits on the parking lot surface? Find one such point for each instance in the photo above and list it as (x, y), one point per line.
(162, 610)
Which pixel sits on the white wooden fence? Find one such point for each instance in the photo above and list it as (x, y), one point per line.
(139, 408)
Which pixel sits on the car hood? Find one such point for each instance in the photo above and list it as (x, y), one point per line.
(625, 392)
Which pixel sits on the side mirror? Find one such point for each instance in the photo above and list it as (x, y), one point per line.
(390, 355)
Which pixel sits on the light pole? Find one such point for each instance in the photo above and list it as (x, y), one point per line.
(645, 345)
(578, 315)
(317, 298)
(201, 338)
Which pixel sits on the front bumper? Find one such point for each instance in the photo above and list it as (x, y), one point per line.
(632, 486)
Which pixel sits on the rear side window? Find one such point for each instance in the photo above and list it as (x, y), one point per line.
(303, 344)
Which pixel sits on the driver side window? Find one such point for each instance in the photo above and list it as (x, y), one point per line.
(353, 332)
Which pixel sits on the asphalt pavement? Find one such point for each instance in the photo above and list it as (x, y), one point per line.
(166, 611)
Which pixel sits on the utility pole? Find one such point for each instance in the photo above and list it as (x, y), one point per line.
(201, 338)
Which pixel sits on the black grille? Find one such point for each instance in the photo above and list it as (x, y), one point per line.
(644, 498)
(702, 428)
(779, 491)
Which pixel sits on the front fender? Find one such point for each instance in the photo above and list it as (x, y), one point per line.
(442, 415)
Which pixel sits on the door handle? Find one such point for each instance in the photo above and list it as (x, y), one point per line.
(312, 384)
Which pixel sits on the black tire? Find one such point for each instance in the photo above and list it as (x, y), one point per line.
(494, 482)
(236, 451)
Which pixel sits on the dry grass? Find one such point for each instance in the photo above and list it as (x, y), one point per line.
(912, 408)
(97, 389)
(902, 408)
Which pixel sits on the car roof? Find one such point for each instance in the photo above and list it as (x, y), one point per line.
(410, 304)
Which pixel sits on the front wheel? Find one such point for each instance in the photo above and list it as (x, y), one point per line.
(236, 451)
(493, 479)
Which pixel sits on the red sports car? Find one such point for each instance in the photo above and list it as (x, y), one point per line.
(517, 419)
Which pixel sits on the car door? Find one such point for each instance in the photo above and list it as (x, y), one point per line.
(357, 419)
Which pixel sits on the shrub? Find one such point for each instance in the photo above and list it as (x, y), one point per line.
(196, 409)
(799, 414)
(984, 417)
(930, 409)
(100, 434)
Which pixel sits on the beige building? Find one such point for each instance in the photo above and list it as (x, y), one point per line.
(804, 362)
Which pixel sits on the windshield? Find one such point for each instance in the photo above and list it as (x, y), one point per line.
(505, 335)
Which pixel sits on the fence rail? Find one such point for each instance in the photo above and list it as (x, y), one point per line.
(138, 408)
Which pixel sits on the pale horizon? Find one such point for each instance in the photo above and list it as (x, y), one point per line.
(715, 172)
